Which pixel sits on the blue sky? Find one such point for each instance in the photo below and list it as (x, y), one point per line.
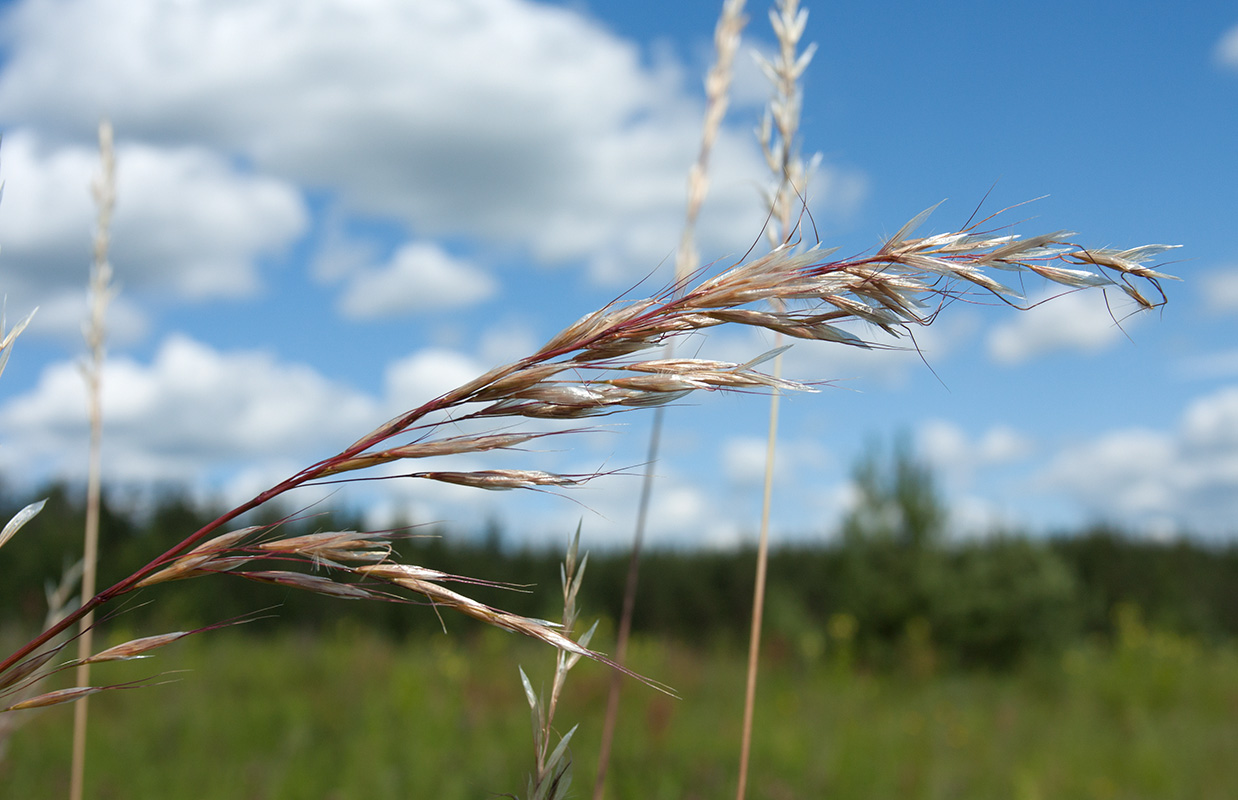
(331, 211)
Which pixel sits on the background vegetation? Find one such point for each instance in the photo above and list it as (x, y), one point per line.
(898, 662)
(893, 577)
(349, 713)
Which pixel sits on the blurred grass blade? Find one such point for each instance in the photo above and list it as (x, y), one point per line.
(19, 519)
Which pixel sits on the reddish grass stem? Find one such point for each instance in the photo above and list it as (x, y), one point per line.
(588, 369)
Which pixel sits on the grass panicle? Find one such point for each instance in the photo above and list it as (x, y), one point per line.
(589, 370)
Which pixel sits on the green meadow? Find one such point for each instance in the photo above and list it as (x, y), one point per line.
(349, 713)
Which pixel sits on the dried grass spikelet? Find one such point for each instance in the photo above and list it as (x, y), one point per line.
(332, 548)
(17, 675)
(57, 697)
(214, 555)
(317, 584)
(137, 648)
(586, 369)
(501, 479)
(423, 582)
(19, 683)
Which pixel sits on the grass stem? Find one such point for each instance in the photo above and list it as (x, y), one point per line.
(104, 191)
(717, 90)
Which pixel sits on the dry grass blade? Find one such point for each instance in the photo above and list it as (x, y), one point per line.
(20, 519)
(7, 339)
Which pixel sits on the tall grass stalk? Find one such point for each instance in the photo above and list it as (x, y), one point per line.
(727, 35)
(790, 182)
(104, 191)
(553, 777)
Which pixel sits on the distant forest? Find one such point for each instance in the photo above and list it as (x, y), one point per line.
(891, 580)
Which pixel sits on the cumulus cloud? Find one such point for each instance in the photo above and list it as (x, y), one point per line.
(1210, 424)
(1220, 364)
(190, 410)
(62, 314)
(743, 459)
(426, 374)
(1185, 479)
(1226, 52)
(682, 512)
(419, 277)
(1220, 290)
(516, 122)
(1078, 322)
(964, 459)
(951, 449)
(186, 220)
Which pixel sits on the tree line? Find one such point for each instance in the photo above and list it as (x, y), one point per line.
(892, 579)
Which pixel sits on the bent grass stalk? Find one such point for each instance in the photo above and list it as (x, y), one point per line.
(591, 368)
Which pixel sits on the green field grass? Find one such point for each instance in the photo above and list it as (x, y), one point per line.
(353, 715)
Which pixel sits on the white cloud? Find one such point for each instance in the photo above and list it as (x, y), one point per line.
(187, 217)
(1126, 473)
(506, 341)
(1220, 364)
(743, 459)
(1076, 321)
(63, 314)
(189, 411)
(1220, 290)
(1210, 424)
(681, 513)
(971, 517)
(516, 122)
(1185, 479)
(419, 277)
(951, 449)
(185, 220)
(426, 374)
(1226, 53)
